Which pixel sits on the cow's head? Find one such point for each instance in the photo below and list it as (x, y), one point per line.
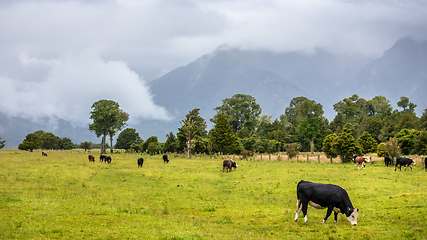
(234, 165)
(413, 163)
(352, 215)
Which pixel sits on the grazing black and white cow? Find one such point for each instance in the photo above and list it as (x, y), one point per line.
(140, 162)
(102, 158)
(387, 161)
(319, 195)
(44, 154)
(165, 159)
(108, 159)
(229, 164)
(360, 160)
(402, 161)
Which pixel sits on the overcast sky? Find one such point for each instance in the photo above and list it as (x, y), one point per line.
(57, 57)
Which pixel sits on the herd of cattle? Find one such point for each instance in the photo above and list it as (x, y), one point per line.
(317, 195)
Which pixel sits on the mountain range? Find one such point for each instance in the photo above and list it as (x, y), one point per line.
(272, 78)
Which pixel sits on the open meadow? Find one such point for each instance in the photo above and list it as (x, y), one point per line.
(64, 196)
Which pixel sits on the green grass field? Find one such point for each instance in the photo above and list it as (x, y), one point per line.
(64, 196)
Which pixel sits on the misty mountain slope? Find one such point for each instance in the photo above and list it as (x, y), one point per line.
(401, 71)
(15, 129)
(272, 78)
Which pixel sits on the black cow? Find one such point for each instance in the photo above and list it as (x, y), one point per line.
(229, 164)
(165, 159)
(140, 162)
(425, 163)
(387, 161)
(402, 161)
(102, 158)
(320, 196)
(108, 159)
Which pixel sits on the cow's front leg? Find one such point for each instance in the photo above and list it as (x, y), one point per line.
(328, 213)
(335, 217)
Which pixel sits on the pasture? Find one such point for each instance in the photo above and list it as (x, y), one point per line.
(65, 196)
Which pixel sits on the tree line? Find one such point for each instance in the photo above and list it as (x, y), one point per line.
(360, 126)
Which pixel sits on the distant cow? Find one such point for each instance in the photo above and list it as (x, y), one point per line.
(402, 161)
(321, 196)
(44, 154)
(165, 159)
(387, 161)
(108, 159)
(91, 158)
(102, 158)
(425, 163)
(229, 164)
(359, 160)
(140, 162)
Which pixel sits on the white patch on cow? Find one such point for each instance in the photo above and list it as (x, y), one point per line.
(315, 205)
(299, 209)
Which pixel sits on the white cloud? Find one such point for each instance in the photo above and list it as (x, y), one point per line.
(73, 84)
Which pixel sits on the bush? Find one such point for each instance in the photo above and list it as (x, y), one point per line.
(247, 153)
(381, 150)
(292, 150)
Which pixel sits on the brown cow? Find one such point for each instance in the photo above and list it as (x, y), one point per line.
(44, 154)
(91, 158)
(359, 160)
(229, 164)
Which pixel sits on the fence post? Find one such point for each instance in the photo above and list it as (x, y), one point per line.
(269, 157)
(297, 157)
(307, 159)
(318, 158)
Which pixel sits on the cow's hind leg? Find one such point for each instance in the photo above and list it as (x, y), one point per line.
(335, 217)
(299, 208)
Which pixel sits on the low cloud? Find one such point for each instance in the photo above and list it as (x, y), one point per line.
(73, 83)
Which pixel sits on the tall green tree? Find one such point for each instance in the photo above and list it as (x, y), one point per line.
(406, 140)
(86, 146)
(367, 143)
(107, 119)
(32, 141)
(328, 145)
(50, 141)
(171, 143)
(66, 143)
(127, 137)
(306, 117)
(192, 126)
(406, 105)
(152, 139)
(420, 146)
(222, 136)
(345, 146)
(241, 111)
